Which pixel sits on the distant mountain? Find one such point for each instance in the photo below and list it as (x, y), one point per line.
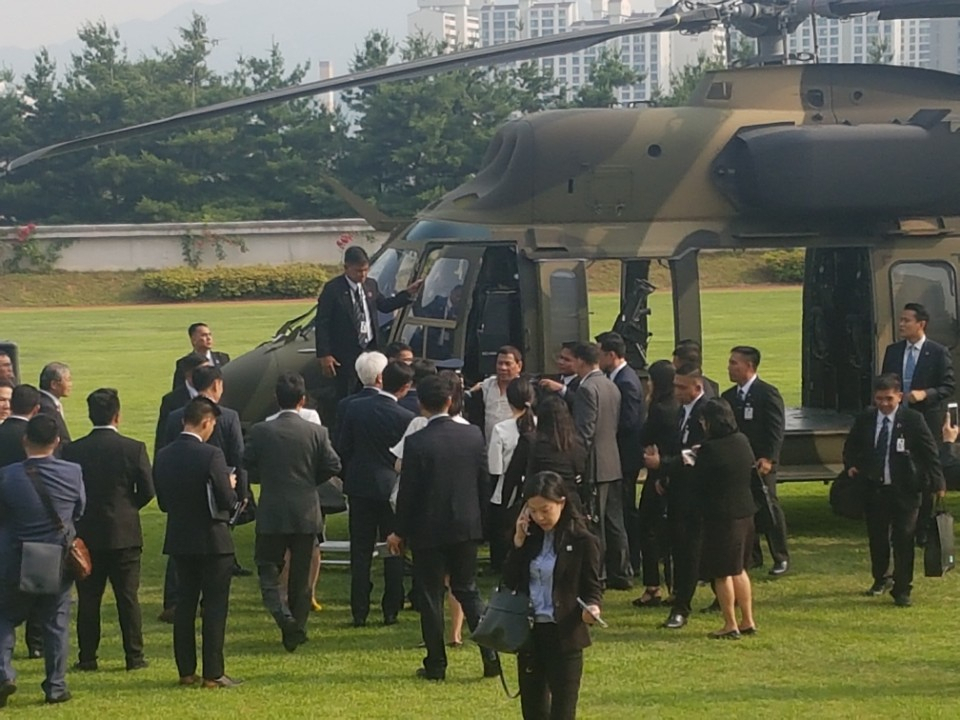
(305, 30)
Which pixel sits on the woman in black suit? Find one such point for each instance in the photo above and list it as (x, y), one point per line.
(556, 446)
(556, 560)
(659, 430)
(723, 468)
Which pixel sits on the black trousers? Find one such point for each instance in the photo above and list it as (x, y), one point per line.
(891, 521)
(430, 565)
(498, 534)
(654, 536)
(613, 535)
(685, 533)
(206, 576)
(631, 517)
(775, 531)
(122, 568)
(372, 520)
(269, 552)
(549, 677)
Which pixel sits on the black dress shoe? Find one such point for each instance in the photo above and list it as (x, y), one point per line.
(712, 607)
(7, 689)
(138, 664)
(779, 569)
(674, 622)
(619, 585)
(902, 600)
(390, 620)
(492, 668)
(167, 615)
(293, 638)
(85, 665)
(878, 588)
(34, 653)
(240, 571)
(358, 623)
(56, 700)
(423, 674)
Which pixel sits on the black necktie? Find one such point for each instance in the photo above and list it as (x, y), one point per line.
(359, 316)
(880, 450)
(681, 421)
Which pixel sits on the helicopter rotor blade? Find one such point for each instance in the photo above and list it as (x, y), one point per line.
(888, 9)
(695, 20)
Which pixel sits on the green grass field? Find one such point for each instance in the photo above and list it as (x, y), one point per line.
(824, 650)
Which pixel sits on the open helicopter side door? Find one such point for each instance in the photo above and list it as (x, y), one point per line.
(564, 310)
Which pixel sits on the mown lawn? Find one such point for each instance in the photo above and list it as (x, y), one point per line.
(824, 650)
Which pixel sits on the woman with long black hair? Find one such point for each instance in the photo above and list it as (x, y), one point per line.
(555, 559)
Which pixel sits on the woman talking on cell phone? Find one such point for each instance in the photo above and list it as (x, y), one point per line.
(556, 560)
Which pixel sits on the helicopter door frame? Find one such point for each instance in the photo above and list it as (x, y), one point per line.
(563, 299)
(685, 278)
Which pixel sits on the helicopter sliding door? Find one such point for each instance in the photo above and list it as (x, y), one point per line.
(838, 329)
(564, 308)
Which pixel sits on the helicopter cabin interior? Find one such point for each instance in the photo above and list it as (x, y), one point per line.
(480, 294)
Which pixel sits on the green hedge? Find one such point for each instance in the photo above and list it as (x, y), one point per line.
(784, 266)
(228, 283)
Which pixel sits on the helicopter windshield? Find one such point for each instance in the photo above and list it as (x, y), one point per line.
(393, 270)
(442, 300)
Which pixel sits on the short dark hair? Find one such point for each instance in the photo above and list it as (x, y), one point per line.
(290, 389)
(395, 375)
(689, 352)
(434, 391)
(612, 342)
(42, 430)
(194, 327)
(204, 377)
(198, 409)
(51, 373)
(888, 381)
(103, 405)
(7, 383)
(511, 350)
(189, 363)
(422, 367)
(456, 399)
(588, 352)
(919, 310)
(569, 345)
(25, 398)
(356, 256)
(750, 354)
(393, 350)
(690, 370)
(718, 418)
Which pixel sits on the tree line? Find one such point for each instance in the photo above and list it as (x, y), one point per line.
(400, 145)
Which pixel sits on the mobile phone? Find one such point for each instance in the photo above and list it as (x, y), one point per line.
(594, 615)
(230, 470)
(952, 410)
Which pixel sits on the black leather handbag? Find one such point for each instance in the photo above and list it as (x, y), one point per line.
(938, 553)
(505, 624)
(848, 496)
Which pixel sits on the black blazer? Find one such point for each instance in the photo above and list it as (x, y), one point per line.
(173, 400)
(342, 411)
(48, 407)
(219, 360)
(660, 429)
(569, 465)
(12, 431)
(411, 401)
(227, 435)
(576, 574)
(369, 429)
(516, 470)
(335, 328)
(180, 474)
(118, 483)
(913, 470)
(723, 474)
(680, 479)
(633, 413)
(444, 487)
(765, 428)
(950, 462)
(933, 373)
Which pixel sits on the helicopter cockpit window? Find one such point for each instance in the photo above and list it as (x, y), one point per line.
(933, 285)
(441, 301)
(393, 270)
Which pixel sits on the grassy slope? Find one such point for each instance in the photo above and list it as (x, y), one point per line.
(824, 650)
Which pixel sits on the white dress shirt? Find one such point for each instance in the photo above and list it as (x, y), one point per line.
(306, 413)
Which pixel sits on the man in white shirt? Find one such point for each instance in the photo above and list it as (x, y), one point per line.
(491, 394)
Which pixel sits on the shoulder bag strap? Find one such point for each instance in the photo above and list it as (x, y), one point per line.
(45, 498)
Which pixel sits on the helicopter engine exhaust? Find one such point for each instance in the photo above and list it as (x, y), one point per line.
(834, 170)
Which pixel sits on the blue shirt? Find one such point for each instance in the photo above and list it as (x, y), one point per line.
(541, 580)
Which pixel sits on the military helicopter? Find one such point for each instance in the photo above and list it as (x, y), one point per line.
(857, 164)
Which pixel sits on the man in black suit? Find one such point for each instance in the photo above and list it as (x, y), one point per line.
(201, 338)
(758, 408)
(679, 485)
(193, 481)
(24, 404)
(633, 413)
(566, 382)
(118, 482)
(6, 395)
(6, 368)
(924, 366)
(891, 448)
(444, 489)
(346, 323)
(690, 352)
(56, 382)
(290, 458)
(370, 428)
(369, 368)
(422, 367)
(183, 393)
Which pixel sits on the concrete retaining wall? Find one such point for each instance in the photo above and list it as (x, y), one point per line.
(151, 247)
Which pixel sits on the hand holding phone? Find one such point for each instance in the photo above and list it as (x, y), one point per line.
(522, 529)
(591, 614)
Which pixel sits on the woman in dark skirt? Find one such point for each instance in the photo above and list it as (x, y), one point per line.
(660, 427)
(724, 465)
